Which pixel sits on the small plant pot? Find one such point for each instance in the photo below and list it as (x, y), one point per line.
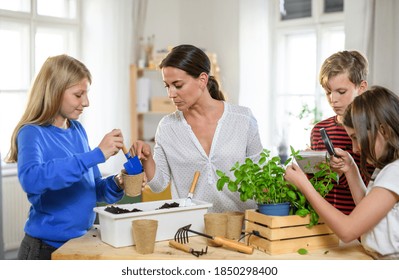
(275, 209)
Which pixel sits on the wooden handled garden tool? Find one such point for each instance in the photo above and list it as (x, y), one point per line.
(181, 236)
(133, 165)
(187, 201)
(188, 249)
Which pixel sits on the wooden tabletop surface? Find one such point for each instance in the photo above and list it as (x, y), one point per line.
(90, 247)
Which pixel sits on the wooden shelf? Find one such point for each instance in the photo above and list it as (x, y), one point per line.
(155, 116)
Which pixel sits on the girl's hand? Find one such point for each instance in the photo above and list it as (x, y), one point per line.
(119, 180)
(111, 143)
(142, 150)
(295, 176)
(343, 163)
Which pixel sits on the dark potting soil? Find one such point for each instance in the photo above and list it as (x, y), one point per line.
(117, 210)
(169, 205)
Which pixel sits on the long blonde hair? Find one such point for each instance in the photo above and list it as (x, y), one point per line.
(45, 96)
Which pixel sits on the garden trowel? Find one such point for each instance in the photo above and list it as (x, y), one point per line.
(187, 201)
(133, 165)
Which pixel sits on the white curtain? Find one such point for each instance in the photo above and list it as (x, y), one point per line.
(372, 28)
(106, 50)
(139, 18)
(255, 46)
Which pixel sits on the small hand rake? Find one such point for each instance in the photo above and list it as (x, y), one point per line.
(188, 249)
(181, 236)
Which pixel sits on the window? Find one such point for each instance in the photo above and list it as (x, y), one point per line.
(28, 36)
(295, 9)
(301, 45)
(332, 6)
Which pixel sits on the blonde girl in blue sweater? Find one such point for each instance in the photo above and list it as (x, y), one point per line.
(56, 166)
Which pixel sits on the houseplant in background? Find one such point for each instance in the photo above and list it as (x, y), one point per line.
(264, 183)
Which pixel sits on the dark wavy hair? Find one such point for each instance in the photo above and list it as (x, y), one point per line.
(377, 109)
(193, 61)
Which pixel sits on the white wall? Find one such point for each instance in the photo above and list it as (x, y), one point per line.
(163, 21)
(372, 27)
(214, 25)
(208, 24)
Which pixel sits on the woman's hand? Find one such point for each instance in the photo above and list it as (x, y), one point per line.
(111, 143)
(343, 163)
(295, 176)
(144, 152)
(141, 149)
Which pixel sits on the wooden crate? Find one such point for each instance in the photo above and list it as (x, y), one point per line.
(287, 234)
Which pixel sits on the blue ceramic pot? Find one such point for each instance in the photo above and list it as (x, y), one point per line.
(276, 209)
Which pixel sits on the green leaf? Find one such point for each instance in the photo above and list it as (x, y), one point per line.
(248, 161)
(302, 251)
(221, 182)
(314, 218)
(238, 175)
(302, 199)
(243, 197)
(232, 187)
(302, 212)
(292, 195)
(287, 161)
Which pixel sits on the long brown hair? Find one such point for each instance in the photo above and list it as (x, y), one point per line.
(377, 109)
(45, 96)
(193, 61)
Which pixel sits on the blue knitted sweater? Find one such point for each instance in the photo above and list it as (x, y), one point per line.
(59, 172)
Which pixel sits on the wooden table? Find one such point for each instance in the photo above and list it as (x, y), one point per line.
(90, 247)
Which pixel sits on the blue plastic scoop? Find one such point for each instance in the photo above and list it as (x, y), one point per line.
(133, 165)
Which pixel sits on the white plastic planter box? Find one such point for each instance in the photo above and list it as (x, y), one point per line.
(116, 229)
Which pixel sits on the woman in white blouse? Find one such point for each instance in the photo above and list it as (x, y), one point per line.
(204, 134)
